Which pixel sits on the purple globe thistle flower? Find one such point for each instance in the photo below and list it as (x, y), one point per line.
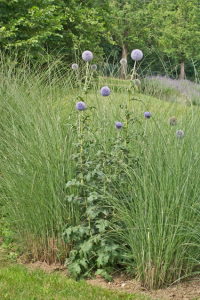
(80, 105)
(94, 67)
(123, 61)
(172, 121)
(118, 125)
(105, 91)
(136, 54)
(137, 82)
(87, 55)
(179, 133)
(75, 67)
(147, 115)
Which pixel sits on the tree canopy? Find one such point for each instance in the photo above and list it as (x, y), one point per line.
(172, 27)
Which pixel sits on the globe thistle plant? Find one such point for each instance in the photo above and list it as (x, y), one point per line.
(147, 115)
(87, 55)
(105, 91)
(80, 106)
(123, 61)
(75, 67)
(136, 55)
(94, 67)
(179, 133)
(172, 121)
(137, 82)
(118, 125)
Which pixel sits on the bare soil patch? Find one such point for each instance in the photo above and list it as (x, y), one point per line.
(186, 290)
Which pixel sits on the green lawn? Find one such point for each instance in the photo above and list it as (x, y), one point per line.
(19, 283)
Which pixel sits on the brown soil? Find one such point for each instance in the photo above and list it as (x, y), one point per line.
(186, 291)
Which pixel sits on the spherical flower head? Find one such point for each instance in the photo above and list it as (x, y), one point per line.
(80, 105)
(147, 115)
(172, 121)
(105, 91)
(136, 54)
(87, 55)
(123, 61)
(75, 67)
(118, 125)
(94, 67)
(179, 133)
(137, 82)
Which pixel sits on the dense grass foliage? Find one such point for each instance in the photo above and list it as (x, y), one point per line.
(76, 189)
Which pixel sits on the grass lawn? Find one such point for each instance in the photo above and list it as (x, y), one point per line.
(19, 283)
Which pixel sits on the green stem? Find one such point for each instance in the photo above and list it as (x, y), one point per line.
(133, 71)
(104, 190)
(86, 79)
(127, 116)
(81, 142)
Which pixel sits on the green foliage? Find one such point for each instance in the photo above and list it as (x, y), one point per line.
(23, 23)
(177, 28)
(46, 25)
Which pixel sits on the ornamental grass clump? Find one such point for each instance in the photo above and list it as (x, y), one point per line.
(157, 206)
(78, 189)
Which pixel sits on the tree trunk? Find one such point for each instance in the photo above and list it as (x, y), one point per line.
(182, 74)
(124, 67)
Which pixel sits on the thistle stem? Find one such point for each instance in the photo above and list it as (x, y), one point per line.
(81, 150)
(86, 79)
(133, 71)
(127, 117)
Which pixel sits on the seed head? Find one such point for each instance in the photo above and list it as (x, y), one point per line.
(136, 54)
(118, 125)
(87, 55)
(172, 121)
(75, 67)
(147, 115)
(94, 67)
(80, 105)
(137, 82)
(105, 91)
(123, 61)
(179, 133)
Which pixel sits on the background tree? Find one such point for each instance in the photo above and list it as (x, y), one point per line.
(131, 24)
(177, 29)
(51, 23)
